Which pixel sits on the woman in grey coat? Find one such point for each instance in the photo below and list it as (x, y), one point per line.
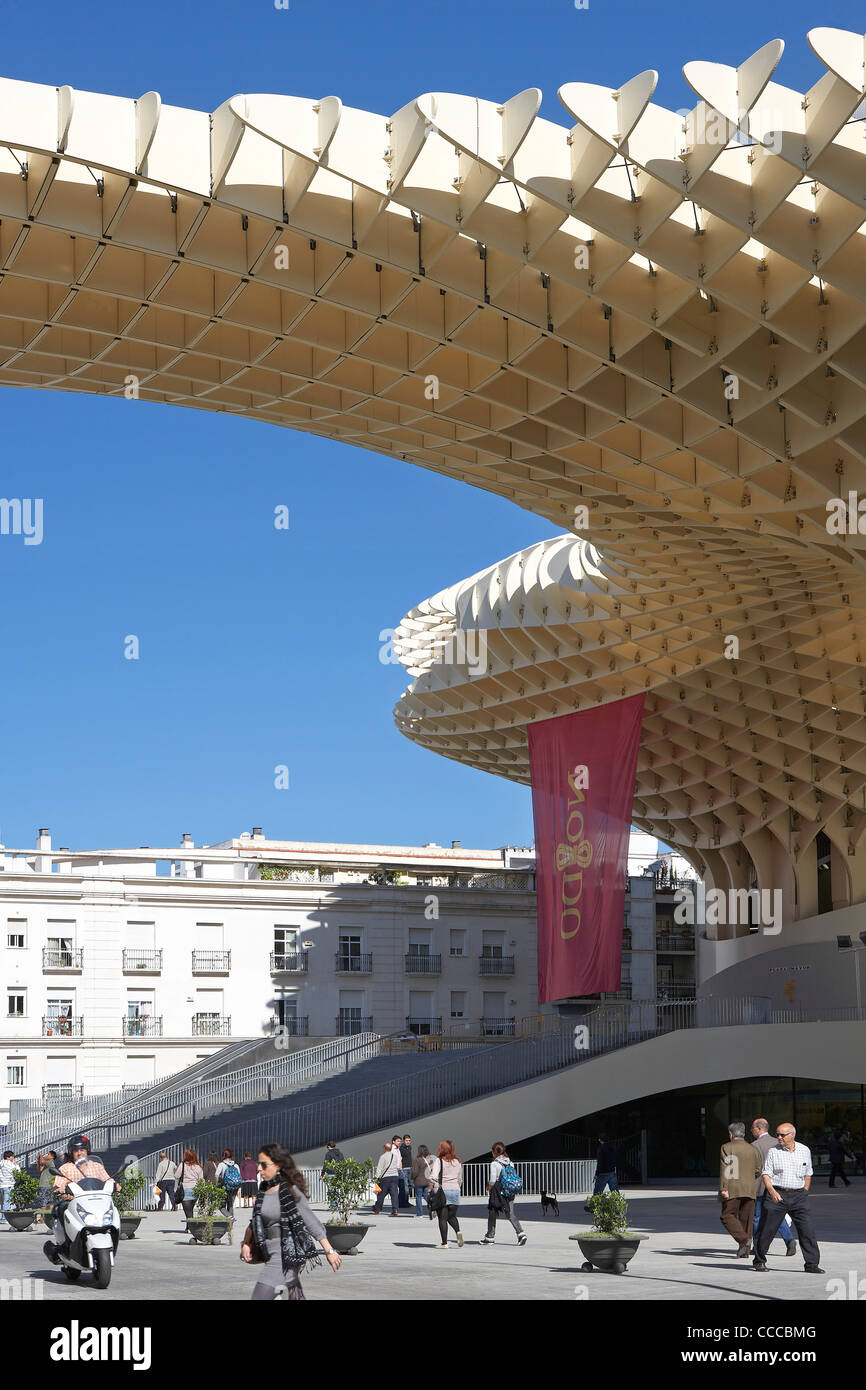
(282, 1233)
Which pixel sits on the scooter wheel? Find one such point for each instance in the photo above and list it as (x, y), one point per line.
(72, 1274)
(101, 1269)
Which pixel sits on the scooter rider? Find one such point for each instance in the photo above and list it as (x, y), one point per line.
(79, 1164)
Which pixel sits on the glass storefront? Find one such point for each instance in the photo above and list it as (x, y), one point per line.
(686, 1128)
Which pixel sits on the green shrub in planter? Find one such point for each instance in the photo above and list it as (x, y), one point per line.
(25, 1191)
(130, 1186)
(209, 1198)
(609, 1211)
(347, 1182)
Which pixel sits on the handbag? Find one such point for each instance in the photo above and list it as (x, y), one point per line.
(437, 1200)
(249, 1239)
(178, 1196)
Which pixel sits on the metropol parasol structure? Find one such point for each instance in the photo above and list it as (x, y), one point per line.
(647, 327)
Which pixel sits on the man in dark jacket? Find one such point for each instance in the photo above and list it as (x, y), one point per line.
(605, 1167)
(332, 1155)
(406, 1171)
(838, 1154)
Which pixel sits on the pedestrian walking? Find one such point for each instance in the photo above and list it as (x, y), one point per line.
(164, 1181)
(838, 1154)
(388, 1171)
(187, 1173)
(787, 1178)
(739, 1171)
(605, 1167)
(8, 1169)
(210, 1165)
(283, 1230)
(421, 1170)
(332, 1155)
(228, 1176)
(763, 1141)
(406, 1171)
(446, 1182)
(46, 1177)
(499, 1203)
(249, 1173)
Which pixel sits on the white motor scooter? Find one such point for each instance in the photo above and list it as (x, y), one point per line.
(91, 1225)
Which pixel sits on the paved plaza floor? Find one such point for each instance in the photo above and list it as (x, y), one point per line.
(688, 1255)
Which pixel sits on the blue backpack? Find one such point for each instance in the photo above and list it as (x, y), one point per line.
(231, 1179)
(510, 1182)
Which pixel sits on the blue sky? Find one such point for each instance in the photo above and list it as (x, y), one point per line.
(261, 647)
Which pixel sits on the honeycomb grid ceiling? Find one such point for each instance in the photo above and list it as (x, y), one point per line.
(583, 295)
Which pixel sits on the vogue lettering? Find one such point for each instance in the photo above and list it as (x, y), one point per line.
(575, 855)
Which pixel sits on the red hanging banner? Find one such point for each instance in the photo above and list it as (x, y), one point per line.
(583, 772)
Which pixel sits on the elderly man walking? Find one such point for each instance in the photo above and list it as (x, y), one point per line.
(740, 1170)
(787, 1177)
(763, 1141)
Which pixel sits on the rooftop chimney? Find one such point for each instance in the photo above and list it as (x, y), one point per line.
(257, 832)
(456, 844)
(187, 840)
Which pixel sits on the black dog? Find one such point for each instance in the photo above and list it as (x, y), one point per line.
(548, 1199)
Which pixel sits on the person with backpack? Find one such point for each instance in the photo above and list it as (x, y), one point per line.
(503, 1184)
(228, 1175)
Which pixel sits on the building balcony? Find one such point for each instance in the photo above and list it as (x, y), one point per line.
(497, 1027)
(65, 959)
(422, 964)
(289, 962)
(675, 942)
(345, 964)
(211, 962)
(148, 962)
(421, 1027)
(346, 1027)
(496, 965)
(291, 1027)
(62, 1090)
(211, 1026)
(626, 939)
(667, 990)
(146, 1027)
(54, 1027)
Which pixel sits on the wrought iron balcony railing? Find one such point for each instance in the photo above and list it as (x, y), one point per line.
(211, 1026)
(289, 962)
(211, 962)
(146, 1027)
(53, 1026)
(496, 965)
(416, 964)
(61, 958)
(146, 961)
(346, 964)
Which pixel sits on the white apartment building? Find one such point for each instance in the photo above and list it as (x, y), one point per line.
(121, 966)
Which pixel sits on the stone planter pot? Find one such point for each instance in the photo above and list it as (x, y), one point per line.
(209, 1230)
(129, 1224)
(345, 1238)
(610, 1254)
(22, 1220)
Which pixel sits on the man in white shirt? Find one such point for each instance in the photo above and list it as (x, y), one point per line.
(8, 1169)
(787, 1175)
(388, 1171)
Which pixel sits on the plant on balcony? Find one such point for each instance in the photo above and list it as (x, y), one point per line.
(610, 1245)
(274, 871)
(347, 1182)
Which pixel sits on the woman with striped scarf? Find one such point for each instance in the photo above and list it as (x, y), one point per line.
(284, 1228)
